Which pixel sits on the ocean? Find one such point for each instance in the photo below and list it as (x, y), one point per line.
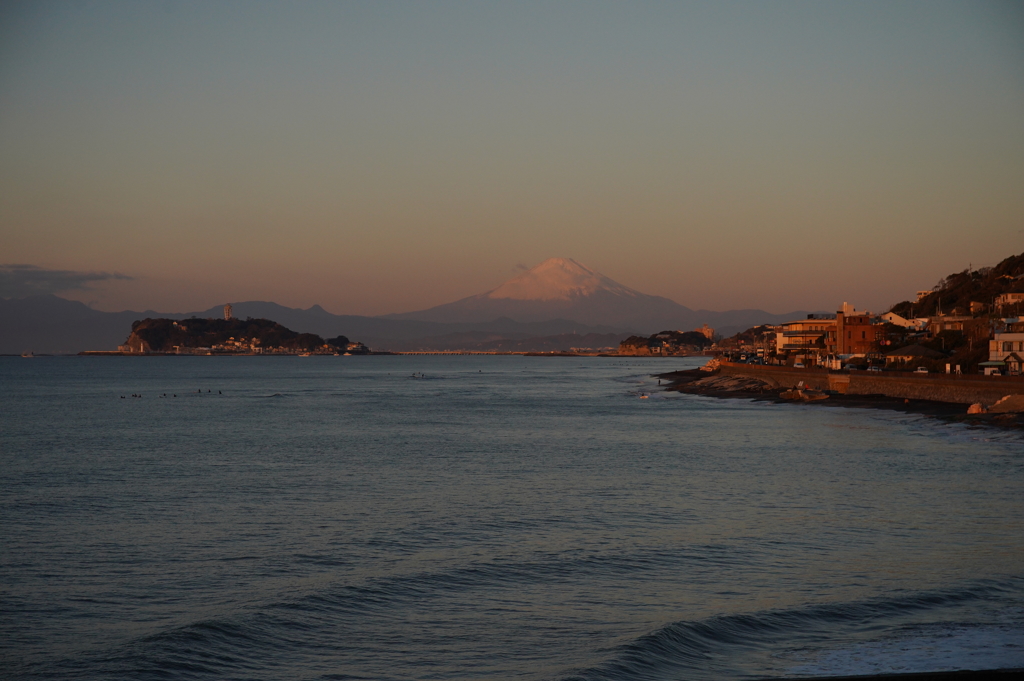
(487, 517)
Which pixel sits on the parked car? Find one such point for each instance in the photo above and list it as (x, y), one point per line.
(920, 370)
(874, 368)
(798, 365)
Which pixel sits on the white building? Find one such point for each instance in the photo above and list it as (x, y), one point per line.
(1007, 348)
(917, 324)
(1007, 299)
(804, 336)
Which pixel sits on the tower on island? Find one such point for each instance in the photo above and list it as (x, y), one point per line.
(227, 311)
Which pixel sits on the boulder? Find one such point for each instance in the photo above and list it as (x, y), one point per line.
(803, 395)
(1011, 404)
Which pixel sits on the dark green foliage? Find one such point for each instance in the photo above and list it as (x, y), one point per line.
(634, 342)
(308, 342)
(670, 342)
(757, 335)
(897, 336)
(955, 293)
(966, 357)
(694, 338)
(946, 341)
(163, 334)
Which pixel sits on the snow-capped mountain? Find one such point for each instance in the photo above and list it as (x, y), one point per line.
(559, 296)
(561, 288)
(558, 279)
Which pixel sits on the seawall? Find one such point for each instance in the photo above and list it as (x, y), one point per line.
(962, 389)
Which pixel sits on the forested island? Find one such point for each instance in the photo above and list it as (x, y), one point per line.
(229, 336)
(667, 343)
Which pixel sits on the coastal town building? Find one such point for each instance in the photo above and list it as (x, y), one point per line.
(1006, 300)
(973, 328)
(918, 324)
(804, 335)
(855, 333)
(1005, 351)
(227, 311)
(909, 356)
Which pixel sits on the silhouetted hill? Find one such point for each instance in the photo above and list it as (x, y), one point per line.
(244, 335)
(955, 293)
(48, 324)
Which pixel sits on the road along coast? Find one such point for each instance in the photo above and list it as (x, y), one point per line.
(946, 397)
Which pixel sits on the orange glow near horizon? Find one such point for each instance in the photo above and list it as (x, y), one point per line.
(376, 159)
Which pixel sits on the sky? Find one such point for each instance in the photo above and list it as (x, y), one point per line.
(378, 157)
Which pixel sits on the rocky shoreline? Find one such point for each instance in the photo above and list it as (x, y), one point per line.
(714, 384)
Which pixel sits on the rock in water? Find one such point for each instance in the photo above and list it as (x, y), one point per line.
(1010, 404)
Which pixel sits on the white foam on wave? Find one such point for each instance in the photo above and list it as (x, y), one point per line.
(947, 648)
(928, 426)
(957, 432)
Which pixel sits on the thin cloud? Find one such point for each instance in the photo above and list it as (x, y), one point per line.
(19, 281)
(522, 267)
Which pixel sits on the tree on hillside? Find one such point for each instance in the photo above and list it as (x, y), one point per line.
(955, 293)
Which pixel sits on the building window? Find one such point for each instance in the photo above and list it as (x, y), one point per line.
(1008, 346)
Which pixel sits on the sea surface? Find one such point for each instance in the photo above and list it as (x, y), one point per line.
(499, 517)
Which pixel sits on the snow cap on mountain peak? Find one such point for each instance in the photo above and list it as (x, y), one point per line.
(558, 279)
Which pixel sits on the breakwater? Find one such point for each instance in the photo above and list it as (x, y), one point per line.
(957, 388)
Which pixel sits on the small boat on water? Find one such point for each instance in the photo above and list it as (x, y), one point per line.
(28, 353)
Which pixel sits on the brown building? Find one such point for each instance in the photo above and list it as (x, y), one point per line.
(854, 333)
(974, 329)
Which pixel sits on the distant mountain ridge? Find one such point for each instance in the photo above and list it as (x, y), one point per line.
(564, 288)
(50, 324)
(558, 298)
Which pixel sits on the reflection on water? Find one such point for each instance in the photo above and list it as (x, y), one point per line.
(504, 516)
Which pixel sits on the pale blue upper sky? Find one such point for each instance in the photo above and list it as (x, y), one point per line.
(383, 156)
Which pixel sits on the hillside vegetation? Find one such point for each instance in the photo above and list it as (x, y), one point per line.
(955, 293)
(666, 342)
(162, 335)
